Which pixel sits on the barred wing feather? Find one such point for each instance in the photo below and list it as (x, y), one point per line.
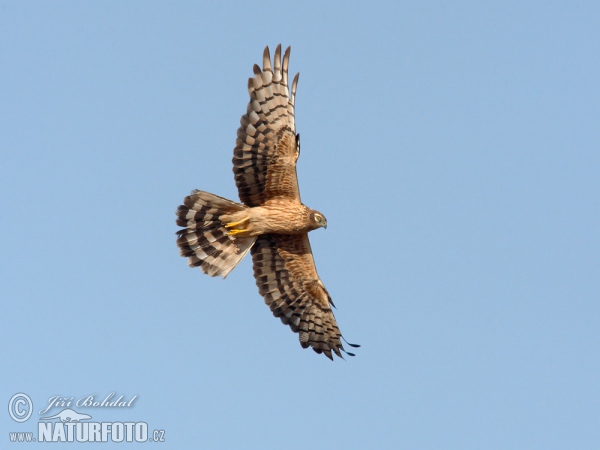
(287, 279)
(266, 150)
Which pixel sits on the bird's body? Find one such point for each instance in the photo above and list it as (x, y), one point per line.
(271, 222)
(274, 216)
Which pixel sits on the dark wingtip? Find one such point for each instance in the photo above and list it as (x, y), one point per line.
(351, 345)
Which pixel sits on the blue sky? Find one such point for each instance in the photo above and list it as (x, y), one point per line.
(453, 147)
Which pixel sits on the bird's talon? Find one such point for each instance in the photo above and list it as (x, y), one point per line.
(235, 224)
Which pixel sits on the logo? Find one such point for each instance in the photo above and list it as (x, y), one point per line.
(69, 425)
(68, 415)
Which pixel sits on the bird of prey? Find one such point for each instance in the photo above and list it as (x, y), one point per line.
(271, 222)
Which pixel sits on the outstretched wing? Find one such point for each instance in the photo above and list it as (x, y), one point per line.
(267, 147)
(286, 277)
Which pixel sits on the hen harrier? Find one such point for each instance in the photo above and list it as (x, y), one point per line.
(272, 222)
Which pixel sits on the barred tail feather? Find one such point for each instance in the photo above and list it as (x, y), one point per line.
(204, 240)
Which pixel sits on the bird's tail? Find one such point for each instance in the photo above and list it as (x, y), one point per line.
(204, 240)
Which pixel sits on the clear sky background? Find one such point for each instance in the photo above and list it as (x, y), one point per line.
(454, 148)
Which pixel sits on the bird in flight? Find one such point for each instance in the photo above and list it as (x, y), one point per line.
(271, 222)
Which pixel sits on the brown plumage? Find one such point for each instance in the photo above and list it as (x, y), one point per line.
(272, 222)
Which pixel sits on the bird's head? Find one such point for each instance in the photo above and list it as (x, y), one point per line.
(317, 220)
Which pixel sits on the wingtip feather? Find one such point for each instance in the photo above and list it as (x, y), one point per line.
(267, 60)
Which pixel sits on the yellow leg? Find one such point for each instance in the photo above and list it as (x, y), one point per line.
(235, 224)
(236, 232)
